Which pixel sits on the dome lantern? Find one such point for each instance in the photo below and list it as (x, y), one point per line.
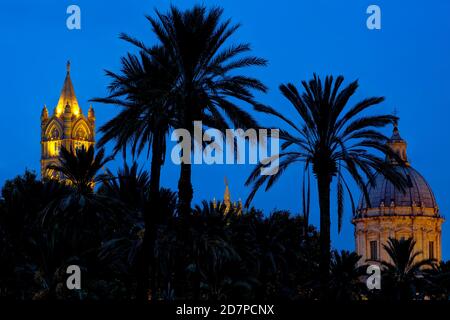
(398, 145)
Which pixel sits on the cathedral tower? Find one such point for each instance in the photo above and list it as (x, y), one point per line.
(67, 127)
(394, 214)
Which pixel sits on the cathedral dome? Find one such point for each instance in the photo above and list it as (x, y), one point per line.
(384, 198)
(389, 213)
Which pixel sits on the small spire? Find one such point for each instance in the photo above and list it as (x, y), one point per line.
(68, 66)
(227, 196)
(239, 211)
(44, 114)
(91, 113)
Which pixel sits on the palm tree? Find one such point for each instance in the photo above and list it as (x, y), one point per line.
(406, 275)
(144, 92)
(346, 275)
(439, 286)
(80, 213)
(130, 186)
(207, 80)
(80, 168)
(330, 141)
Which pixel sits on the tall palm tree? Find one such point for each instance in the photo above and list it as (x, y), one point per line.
(144, 91)
(406, 275)
(75, 222)
(330, 140)
(208, 84)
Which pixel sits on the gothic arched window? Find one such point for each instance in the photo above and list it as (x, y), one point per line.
(81, 134)
(54, 134)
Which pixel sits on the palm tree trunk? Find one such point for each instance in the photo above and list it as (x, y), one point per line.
(185, 191)
(151, 219)
(324, 182)
(155, 173)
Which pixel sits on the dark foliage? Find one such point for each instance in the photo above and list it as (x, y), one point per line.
(406, 276)
(208, 255)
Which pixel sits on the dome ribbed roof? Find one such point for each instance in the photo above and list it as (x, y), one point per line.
(418, 192)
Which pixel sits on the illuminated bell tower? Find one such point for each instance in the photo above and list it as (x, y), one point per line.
(67, 127)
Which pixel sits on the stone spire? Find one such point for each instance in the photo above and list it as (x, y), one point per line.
(236, 207)
(397, 144)
(91, 114)
(226, 195)
(44, 114)
(67, 96)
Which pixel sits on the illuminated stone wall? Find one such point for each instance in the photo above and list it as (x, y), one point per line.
(426, 231)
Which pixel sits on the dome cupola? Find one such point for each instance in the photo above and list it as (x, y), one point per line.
(389, 213)
(384, 198)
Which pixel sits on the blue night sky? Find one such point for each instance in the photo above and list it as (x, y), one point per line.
(407, 61)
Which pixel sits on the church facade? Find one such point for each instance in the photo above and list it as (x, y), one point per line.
(391, 213)
(66, 127)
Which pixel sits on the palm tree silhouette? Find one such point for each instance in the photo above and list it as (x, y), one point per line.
(439, 286)
(144, 91)
(76, 220)
(80, 168)
(406, 274)
(346, 275)
(130, 186)
(330, 141)
(207, 84)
